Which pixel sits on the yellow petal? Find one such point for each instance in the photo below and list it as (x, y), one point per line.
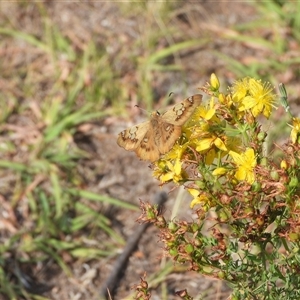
(194, 202)
(166, 177)
(220, 144)
(199, 200)
(249, 157)
(209, 114)
(219, 171)
(177, 167)
(194, 192)
(241, 174)
(210, 156)
(236, 157)
(204, 144)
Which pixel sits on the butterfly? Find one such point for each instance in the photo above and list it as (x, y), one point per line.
(158, 135)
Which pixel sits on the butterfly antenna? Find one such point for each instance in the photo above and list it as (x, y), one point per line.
(141, 109)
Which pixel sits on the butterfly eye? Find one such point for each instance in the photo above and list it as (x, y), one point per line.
(157, 113)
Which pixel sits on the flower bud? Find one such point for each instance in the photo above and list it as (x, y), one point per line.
(172, 226)
(293, 182)
(294, 236)
(274, 175)
(189, 248)
(219, 171)
(256, 186)
(261, 136)
(221, 275)
(214, 82)
(173, 252)
(264, 161)
(283, 165)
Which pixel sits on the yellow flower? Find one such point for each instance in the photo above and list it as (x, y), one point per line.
(207, 112)
(176, 152)
(225, 100)
(199, 198)
(160, 168)
(173, 172)
(296, 129)
(194, 123)
(207, 143)
(240, 89)
(203, 136)
(246, 162)
(253, 95)
(218, 147)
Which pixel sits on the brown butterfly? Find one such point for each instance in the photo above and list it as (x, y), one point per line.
(157, 136)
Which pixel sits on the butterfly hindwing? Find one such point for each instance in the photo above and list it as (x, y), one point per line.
(166, 136)
(148, 149)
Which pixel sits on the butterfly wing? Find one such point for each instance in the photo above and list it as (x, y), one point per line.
(166, 136)
(157, 136)
(170, 123)
(182, 111)
(148, 149)
(131, 138)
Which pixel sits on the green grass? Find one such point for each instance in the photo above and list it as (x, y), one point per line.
(46, 182)
(276, 33)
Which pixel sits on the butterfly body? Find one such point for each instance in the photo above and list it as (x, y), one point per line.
(157, 136)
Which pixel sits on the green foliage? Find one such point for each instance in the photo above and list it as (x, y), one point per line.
(246, 226)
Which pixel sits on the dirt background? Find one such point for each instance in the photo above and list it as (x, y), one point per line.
(121, 174)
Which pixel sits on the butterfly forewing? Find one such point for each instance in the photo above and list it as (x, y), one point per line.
(182, 111)
(131, 138)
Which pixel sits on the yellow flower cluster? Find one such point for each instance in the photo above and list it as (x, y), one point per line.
(253, 96)
(216, 142)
